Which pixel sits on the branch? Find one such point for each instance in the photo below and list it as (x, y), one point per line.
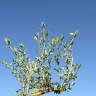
(42, 92)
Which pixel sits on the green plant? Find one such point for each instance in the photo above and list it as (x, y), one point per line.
(35, 76)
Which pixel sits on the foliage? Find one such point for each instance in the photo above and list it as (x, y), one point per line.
(36, 75)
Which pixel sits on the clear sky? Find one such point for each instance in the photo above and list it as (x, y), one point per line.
(20, 19)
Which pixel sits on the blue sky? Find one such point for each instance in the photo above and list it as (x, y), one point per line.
(20, 19)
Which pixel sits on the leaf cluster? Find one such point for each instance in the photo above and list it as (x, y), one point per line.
(54, 55)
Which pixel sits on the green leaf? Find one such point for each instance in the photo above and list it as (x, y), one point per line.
(53, 42)
(57, 39)
(42, 24)
(15, 51)
(76, 66)
(74, 77)
(51, 51)
(74, 34)
(46, 33)
(71, 43)
(7, 41)
(49, 60)
(62, 37)
(21, 45)
(36, 37)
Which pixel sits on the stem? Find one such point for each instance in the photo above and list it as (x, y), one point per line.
(41, 93)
